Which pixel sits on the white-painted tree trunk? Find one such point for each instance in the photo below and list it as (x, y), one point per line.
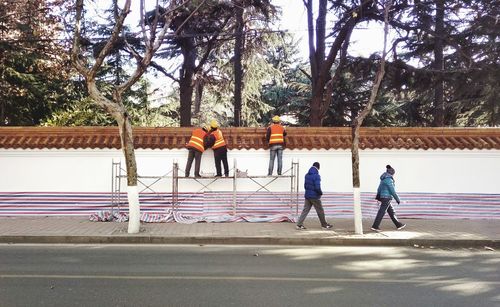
(134, 214)
(358, 218)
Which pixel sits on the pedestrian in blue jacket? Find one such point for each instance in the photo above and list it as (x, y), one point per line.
(312, 185)
(385, 193)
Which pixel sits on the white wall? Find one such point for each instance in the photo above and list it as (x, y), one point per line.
(86, 170)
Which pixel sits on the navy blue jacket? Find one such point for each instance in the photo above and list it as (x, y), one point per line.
(312, 184)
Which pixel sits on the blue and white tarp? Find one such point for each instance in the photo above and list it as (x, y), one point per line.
(218, 206)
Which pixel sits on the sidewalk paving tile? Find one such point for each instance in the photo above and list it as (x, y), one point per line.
(418, 230)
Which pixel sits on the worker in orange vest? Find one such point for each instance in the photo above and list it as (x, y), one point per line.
(218, 144)
(196, 147)
(275, 136)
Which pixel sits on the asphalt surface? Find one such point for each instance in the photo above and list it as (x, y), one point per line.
(232, 275)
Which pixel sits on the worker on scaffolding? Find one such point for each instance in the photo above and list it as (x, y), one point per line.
(196, 147)
(275, 136)
(218, 144)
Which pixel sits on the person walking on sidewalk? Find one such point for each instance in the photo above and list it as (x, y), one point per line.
(385, 193)
(196, 147)
(312, 186)
(220, 149)
(275, 136)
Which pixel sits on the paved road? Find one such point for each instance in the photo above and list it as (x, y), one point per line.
(192, 275)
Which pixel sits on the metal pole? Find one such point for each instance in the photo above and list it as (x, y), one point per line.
(119, 184)
(292, 181)
(175, 185)
(234, 186)
(112, 185)
(297, 185)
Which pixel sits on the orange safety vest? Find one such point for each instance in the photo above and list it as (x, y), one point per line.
(277, 132)
(219, 139)
(196, 140)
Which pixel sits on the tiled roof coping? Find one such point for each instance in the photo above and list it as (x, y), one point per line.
(253, 138)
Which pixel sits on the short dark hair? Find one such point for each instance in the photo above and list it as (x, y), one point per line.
(316, 165)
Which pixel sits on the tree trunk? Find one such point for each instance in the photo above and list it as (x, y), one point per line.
(127, 142)
(116, 109)
(315, 118)
(439, 65)
(356, 182)
(186, 94)
(358, 121)
(198, 95)
(186, 81)
(238, 71)
(322, 61)
(2, 113)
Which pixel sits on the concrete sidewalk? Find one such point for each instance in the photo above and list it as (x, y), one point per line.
(428, 233)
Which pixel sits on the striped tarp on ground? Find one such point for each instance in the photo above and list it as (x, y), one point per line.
(214, 204)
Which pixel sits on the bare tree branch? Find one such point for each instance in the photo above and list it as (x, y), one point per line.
(305, 73)
(310, 29)
(163, 71)
(106, 50)
(380, 73)
(209, 48)
(189, 17)
(333, 81)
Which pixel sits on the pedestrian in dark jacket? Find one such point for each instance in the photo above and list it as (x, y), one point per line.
(385, 193)
(312, 186)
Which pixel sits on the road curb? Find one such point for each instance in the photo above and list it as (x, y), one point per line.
(141, 239)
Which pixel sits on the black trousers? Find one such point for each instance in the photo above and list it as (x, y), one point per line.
(386, 206)
(220, 156)
(193, 155)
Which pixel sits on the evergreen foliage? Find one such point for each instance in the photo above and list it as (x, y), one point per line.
(34, 67)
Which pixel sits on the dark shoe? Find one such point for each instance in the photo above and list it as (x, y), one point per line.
(402, 226)
(279, 174)
(300, 227)
(327, 226)
(376, 229)
(269, 174)
(226, 175)
(197, 176)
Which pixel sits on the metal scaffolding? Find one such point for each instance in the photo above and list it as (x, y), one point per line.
(118, 173)
(263, 183)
